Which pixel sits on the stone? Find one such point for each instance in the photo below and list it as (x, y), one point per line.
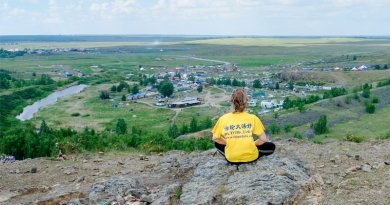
(365, 167)
(148, 199)
(69, 170)
(34, 170)
(270, 180)
(353, 169)
(357, 157)
(387, 162)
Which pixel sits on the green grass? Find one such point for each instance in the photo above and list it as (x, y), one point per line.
(215, 90)
(200, 113)
(98, 114)
(368, 126)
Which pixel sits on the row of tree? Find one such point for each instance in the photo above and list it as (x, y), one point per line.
(11, 54)
(25, 142)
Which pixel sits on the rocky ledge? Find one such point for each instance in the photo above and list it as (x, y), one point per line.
(203, 178)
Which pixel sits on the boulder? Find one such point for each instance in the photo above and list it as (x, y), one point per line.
(270, 180)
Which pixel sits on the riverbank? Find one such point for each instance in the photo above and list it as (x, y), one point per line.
(30, 110)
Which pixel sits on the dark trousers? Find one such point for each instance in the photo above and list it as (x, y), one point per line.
(267, 148)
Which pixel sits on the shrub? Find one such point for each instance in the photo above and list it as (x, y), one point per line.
(366, 92)
(274, 128)
(297, 135)
(287, 128)
(354, 138)
(76, 114)
(370, 108)
(320, 127)
(375, 100)
(385, 136)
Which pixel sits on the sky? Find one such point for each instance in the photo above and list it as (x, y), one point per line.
(196, 17)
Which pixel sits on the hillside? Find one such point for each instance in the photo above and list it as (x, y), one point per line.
(298, 173)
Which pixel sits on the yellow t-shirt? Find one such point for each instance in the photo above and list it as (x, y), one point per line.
(237, 130)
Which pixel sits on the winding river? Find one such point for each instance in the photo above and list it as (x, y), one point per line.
(30, 110)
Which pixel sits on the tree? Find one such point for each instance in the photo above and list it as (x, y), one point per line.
(121, 127)
(385, 67)
(377, 67)
(243, 84)
(320, 127)
(287, 103)
(113, 88)
(166, 88)
(256, 84)
(191, 77)
(235, 82)
(366, 92)
(184, 129)
(370, 108)
(123, 97)
(135, 89)
(173, 131)
(104, 95)
(207, 123)
(43, 129)
(193, 125)
(199, 88)
(276, 86)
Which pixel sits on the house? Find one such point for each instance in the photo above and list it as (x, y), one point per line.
(363, 68)
(252, 103)
(136, 96)
(266, 104)
(188, 101)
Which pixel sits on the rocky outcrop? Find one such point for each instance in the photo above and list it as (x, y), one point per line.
(271, 180)
(198, 178)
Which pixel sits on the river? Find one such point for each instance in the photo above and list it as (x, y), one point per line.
(30, 110)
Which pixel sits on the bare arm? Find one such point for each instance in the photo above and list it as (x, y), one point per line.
(261, 140)
(219, 140)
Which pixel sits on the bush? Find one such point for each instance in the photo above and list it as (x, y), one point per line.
(287, 128)
(274, 128)
(354, 138)
(375, 100)
(320, 127)
(370, 108)
(297, 135)
(384, 136)
(366, 92)
(76, 114)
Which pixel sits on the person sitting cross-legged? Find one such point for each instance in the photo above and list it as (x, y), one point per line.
(233, 133)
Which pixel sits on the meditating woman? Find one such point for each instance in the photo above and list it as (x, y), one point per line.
(234, 133)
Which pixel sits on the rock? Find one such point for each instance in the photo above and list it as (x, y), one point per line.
(34, 170)
(353, 169)
(117, 185)
(387, 162)
(148, 199)
(121, 163)
(69, 170)
(98, 160)
(80, 179)
(365, 167)
(270, 180)
(357, 157)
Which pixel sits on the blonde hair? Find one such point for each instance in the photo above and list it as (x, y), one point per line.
(239, 100)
